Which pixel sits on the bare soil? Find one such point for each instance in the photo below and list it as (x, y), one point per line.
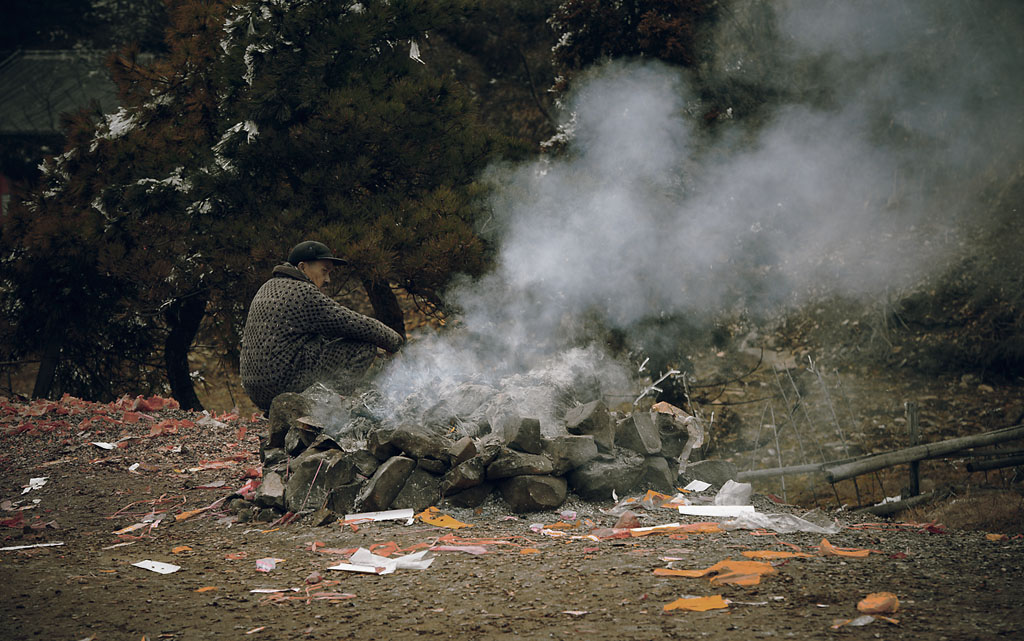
(955, 567)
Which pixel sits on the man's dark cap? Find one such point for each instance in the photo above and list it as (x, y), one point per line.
(310, 250)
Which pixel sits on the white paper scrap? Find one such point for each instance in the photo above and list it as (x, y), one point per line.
(35, 484)
(365, 569)
(34, 545)
(273, 590)
(371, 563)
(387, 515)
(716, 510)
(157, 566)
(653, 528)
(103, 446)
(697, 486)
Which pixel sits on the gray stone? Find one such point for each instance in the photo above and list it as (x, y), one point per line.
(322, 517)
(569, 451)
(673, 435)
(658, 475)
(378, 443)
(596, 479)
(298, 439)
(418, 443)
(378, 493)
(593, 419)
(533, 493)
(343, 498)
(431, 465)
(463, 476)
(313, 475)
(512, 463)
(273, 456)
(462, 450)
(324, 442)
(489, 448)
(527, 437)
(638, 433)
(713, 471)
(270, 493)
(365, 463)
(421, 490)
(285, 410)
(471, 497)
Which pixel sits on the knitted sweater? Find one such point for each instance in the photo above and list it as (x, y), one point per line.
(295, 334)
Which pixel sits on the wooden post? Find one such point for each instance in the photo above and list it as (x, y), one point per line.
(915, 438)
(843, 470)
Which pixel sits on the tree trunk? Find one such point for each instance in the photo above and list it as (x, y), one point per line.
(183, 317)
(385, 305)
(47, 367)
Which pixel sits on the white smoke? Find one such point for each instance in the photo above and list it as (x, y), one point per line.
(842, 187)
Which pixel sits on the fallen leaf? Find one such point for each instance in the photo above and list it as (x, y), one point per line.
(997, 537)
(180, 549)
(529, 551)
(698, 603)
(208, 588)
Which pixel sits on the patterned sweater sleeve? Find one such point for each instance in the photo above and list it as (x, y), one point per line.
(329, 318)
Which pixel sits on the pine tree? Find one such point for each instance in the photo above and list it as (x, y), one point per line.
(265, 124)
(341, 128)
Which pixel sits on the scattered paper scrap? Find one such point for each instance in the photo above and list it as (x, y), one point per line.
(34, 545)
(35, 484)
(386, 515)
(362, 560)
(727, 571)
(272, 590)
(696, 486)
(716, 510)
(157, 566)
(862, 620)
(766, 555)
(827, 549)
(698, 603)
(879, 603)
(103, 446)
(432, 516)
(267, 564)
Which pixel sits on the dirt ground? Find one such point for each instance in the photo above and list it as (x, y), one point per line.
(958, 578)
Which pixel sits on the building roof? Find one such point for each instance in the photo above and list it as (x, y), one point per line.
(36, 87)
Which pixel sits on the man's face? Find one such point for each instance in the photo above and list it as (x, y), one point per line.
(318, 271)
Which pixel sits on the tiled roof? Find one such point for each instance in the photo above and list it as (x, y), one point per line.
(36, 87)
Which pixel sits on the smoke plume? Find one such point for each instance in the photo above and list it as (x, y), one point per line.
(863, 135)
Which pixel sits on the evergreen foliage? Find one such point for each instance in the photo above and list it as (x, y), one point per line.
(265, 124)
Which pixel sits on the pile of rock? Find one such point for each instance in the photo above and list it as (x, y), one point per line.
(308, 466)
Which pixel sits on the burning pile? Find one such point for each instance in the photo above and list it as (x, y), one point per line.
(323, 452)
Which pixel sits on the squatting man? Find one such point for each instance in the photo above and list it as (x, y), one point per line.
(295, 335)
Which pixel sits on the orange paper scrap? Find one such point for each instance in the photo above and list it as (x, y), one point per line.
(698, 604)
(879, 603)
(766, 555)
(727, 571)
(827, 549)
(433, 516)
